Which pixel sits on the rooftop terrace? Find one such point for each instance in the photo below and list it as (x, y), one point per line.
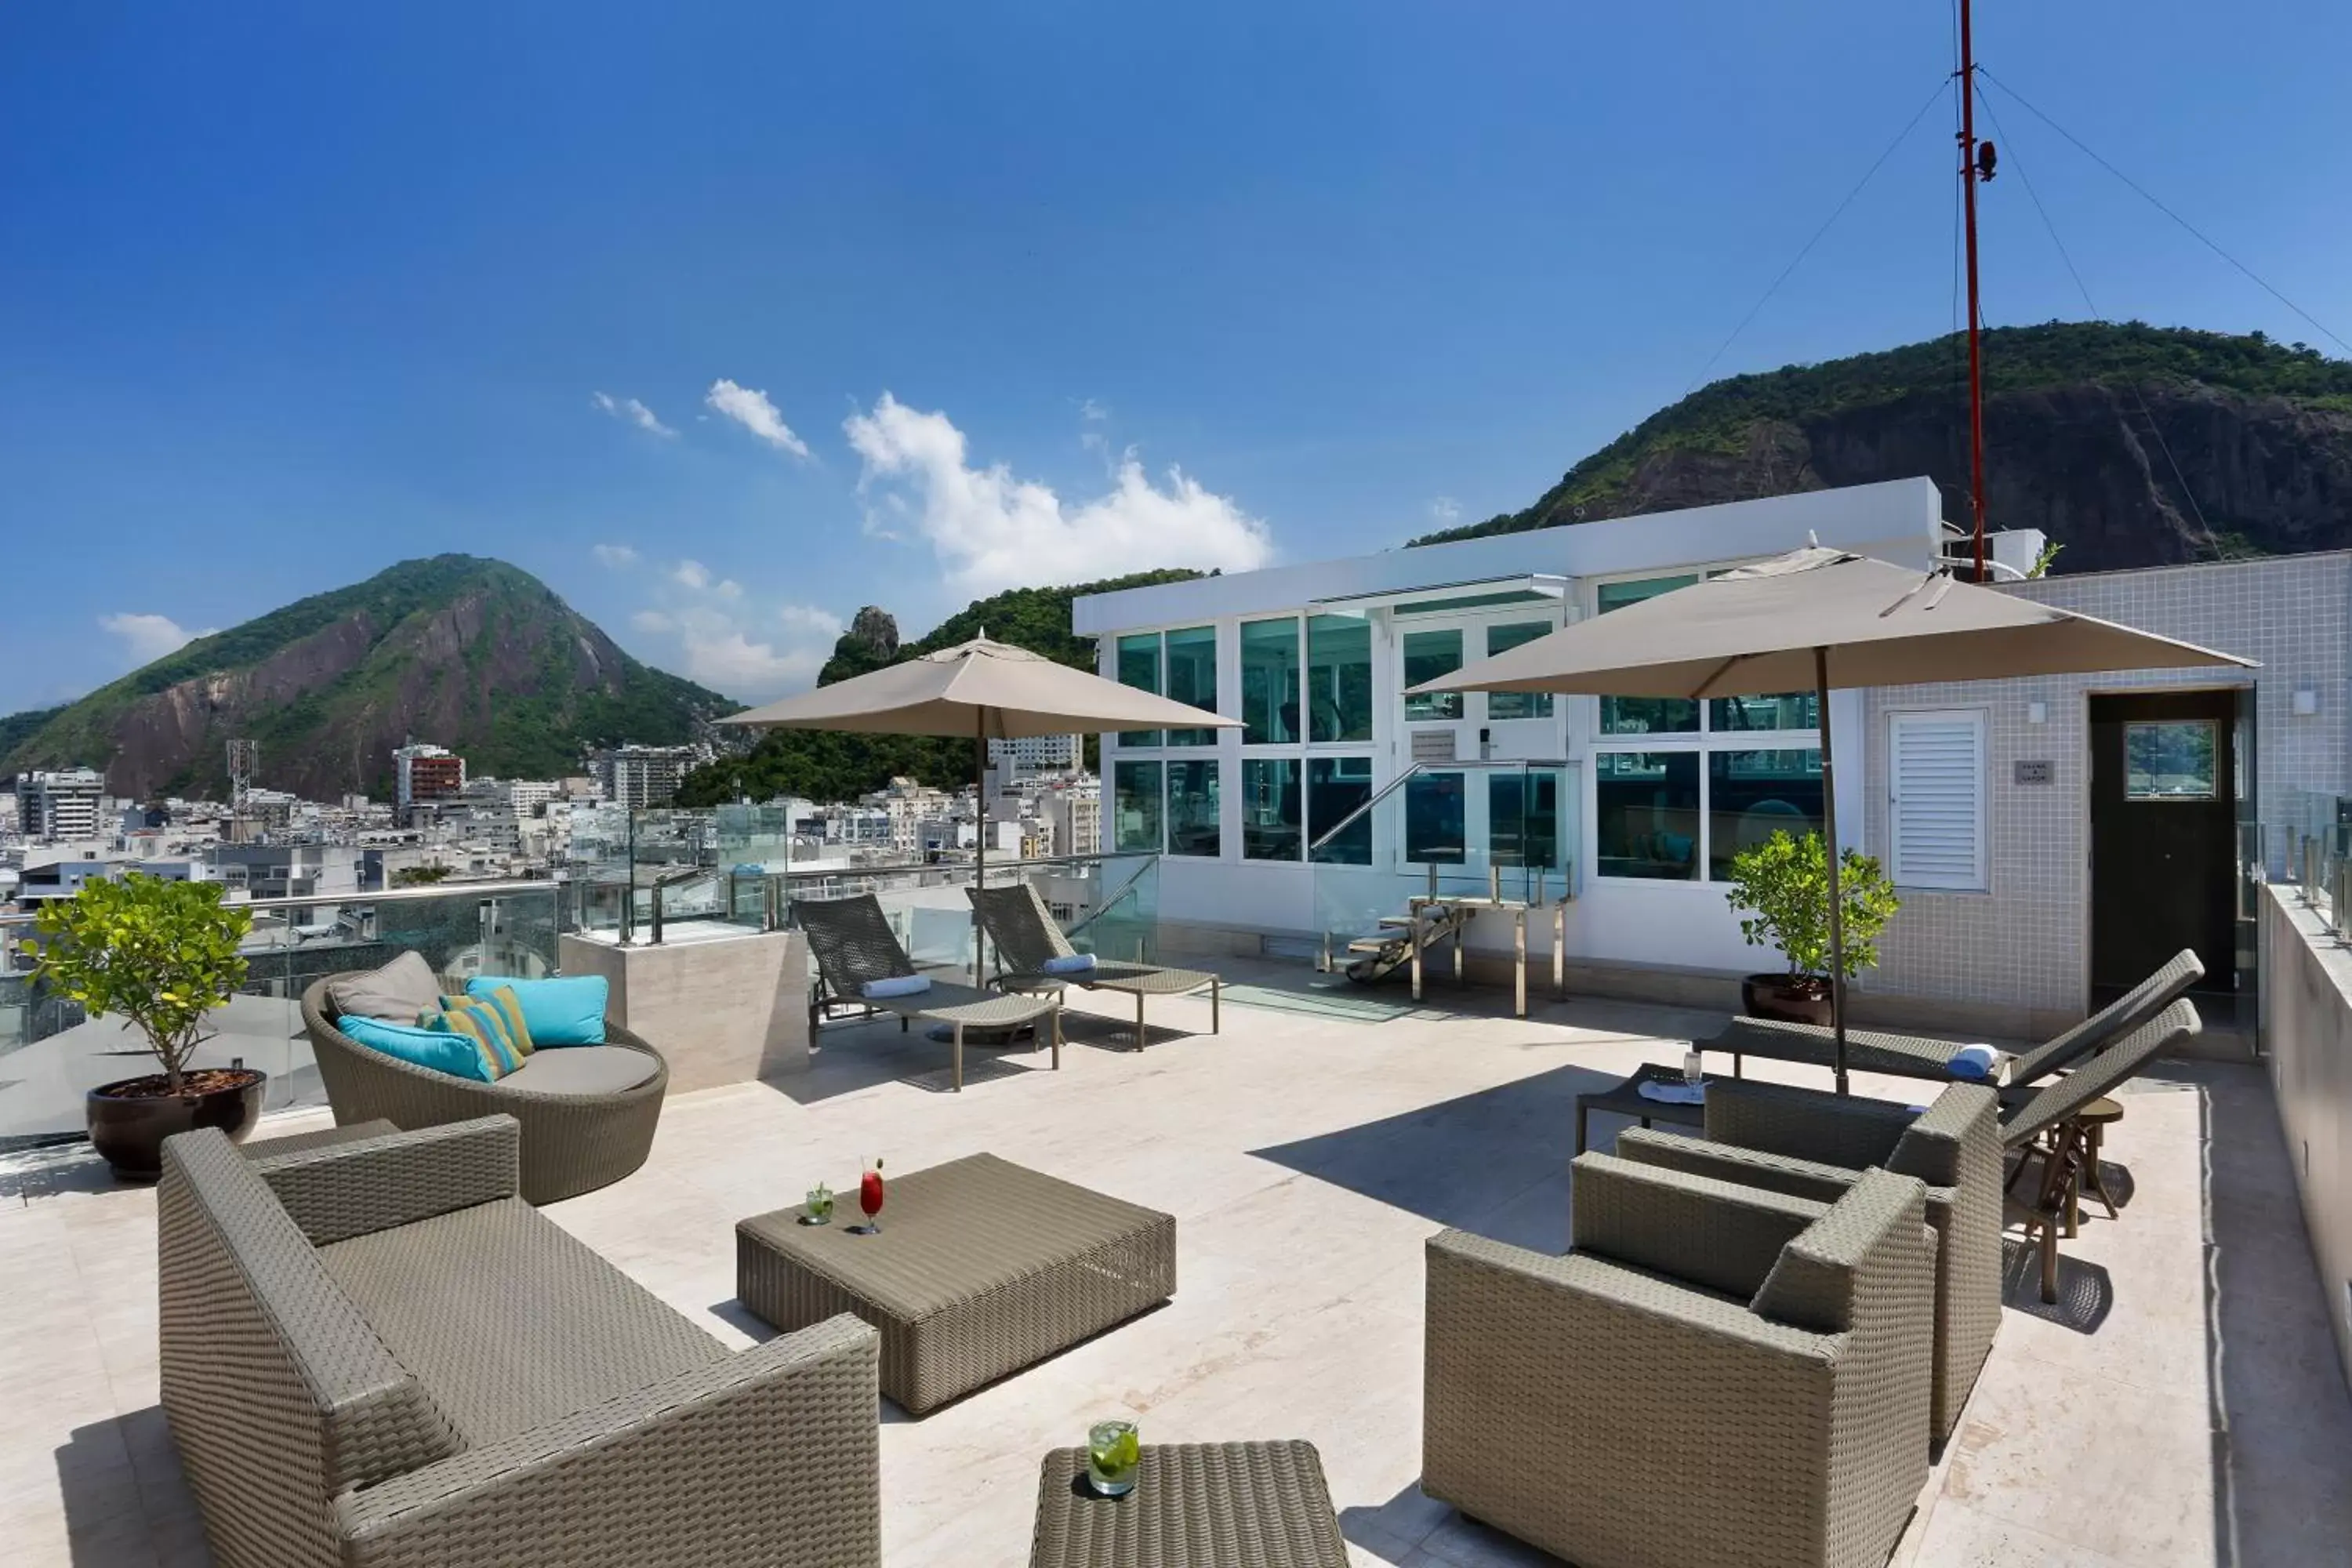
(2182, 1403)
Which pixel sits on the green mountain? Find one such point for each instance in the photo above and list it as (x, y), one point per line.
(2129, 445)
(827, 766)
(466, 653)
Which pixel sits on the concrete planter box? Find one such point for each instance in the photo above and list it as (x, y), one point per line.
(726, 1009)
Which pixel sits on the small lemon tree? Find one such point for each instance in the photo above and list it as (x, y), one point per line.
(162, 953)
(1782, 887)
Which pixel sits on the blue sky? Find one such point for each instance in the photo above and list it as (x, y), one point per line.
(920, 300)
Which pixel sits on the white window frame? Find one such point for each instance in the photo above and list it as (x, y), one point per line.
(1980, 878)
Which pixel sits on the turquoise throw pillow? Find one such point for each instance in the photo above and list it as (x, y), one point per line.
(456, 1055)
(565, 1012)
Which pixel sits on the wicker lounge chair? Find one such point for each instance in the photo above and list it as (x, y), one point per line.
(1954, 1146)
(1715, 1374)
(374, 1355)
(587, 1112)
(1924, 1055)
(854, 943)
(1018, 922)
(1812, 1127)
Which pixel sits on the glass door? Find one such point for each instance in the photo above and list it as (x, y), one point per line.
(1464, 821)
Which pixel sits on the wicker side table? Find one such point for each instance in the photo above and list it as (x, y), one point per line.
(981, 1267)
(1195, 1505)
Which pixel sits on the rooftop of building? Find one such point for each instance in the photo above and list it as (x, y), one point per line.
(2180, 1404)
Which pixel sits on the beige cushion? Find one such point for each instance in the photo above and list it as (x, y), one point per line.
(398, 992)
(582, 1069)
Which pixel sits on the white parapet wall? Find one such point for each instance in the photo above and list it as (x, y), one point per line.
(2307, 1028)
(720, 1009)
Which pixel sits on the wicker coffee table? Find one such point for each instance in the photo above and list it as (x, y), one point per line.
(1195, 1505)
(982, 1267)
(1625, 1097)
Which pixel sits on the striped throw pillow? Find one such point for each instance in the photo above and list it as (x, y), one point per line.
(503, 1001)
(479, 1022)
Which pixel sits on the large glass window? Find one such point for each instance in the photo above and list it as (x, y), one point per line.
(1272, 825)
(1648, 817)
(1192, 661)
(1436, 830)
(1335, 787)
(1193, 819)
(1789, 710)
(1503, 705)
(1138, 665)
(1428, 656)
(1645, 715)
(1136, 806)
(1750, 795)
(1523, 819)
(1338, 679)
(1270, 714)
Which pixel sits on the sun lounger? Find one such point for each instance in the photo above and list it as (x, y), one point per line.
(854, 945)
(1026, 938)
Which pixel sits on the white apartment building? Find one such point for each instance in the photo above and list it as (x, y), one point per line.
(1072, 814)
(640, 776)
(1037, 753)
(66, 804)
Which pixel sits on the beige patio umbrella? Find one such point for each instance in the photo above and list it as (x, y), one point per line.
(1827, 620)
(989, 690)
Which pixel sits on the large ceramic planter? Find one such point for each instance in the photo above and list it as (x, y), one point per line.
(1788, 998)
(128, 1120)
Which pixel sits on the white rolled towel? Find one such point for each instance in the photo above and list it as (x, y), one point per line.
(1071, 964)
(896, 985)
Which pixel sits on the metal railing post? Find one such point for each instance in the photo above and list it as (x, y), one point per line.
(657, 914)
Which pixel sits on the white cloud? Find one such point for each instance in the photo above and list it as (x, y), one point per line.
(630, 409)
(149, 637)
(619, 557)
(991, 531)
(723, 656)
(1445, 511)
(1090, 409)
(809, 620)
(752, 410)
(716, 632)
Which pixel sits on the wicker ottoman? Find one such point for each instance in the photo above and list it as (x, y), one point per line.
(1195, 1505)
(982, 1267)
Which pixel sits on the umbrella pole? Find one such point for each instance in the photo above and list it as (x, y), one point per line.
(1829, 853)
(979, 838)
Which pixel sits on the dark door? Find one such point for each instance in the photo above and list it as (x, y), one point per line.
(2163, 835)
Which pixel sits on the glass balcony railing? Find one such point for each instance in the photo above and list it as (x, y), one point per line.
(51, 1055)
(1501, 833)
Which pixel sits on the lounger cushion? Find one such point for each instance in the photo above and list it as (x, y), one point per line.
(566, 1011)
(399, 991)
(583, 1069)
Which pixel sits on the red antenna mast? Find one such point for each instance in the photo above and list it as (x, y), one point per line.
(1975, 165)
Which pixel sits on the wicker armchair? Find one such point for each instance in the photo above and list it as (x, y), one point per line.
(374, 1355)
(573, 1141)
(1803, 1143)
(1715, 1374)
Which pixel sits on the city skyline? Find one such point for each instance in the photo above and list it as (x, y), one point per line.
(727, 324)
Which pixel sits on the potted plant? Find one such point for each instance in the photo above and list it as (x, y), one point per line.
(162, 954)
(1782, 887)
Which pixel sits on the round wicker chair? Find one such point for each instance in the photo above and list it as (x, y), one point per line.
(572, 1144)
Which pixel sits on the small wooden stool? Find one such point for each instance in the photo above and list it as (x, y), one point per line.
(2094, 1119)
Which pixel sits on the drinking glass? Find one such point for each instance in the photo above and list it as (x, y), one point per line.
(1693, 1069)
(869, 1198)
(1113, 1452)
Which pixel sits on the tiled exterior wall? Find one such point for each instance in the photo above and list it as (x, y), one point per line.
(2025, 943)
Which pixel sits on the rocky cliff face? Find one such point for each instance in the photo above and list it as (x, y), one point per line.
(2129, 445)
(472, 655)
